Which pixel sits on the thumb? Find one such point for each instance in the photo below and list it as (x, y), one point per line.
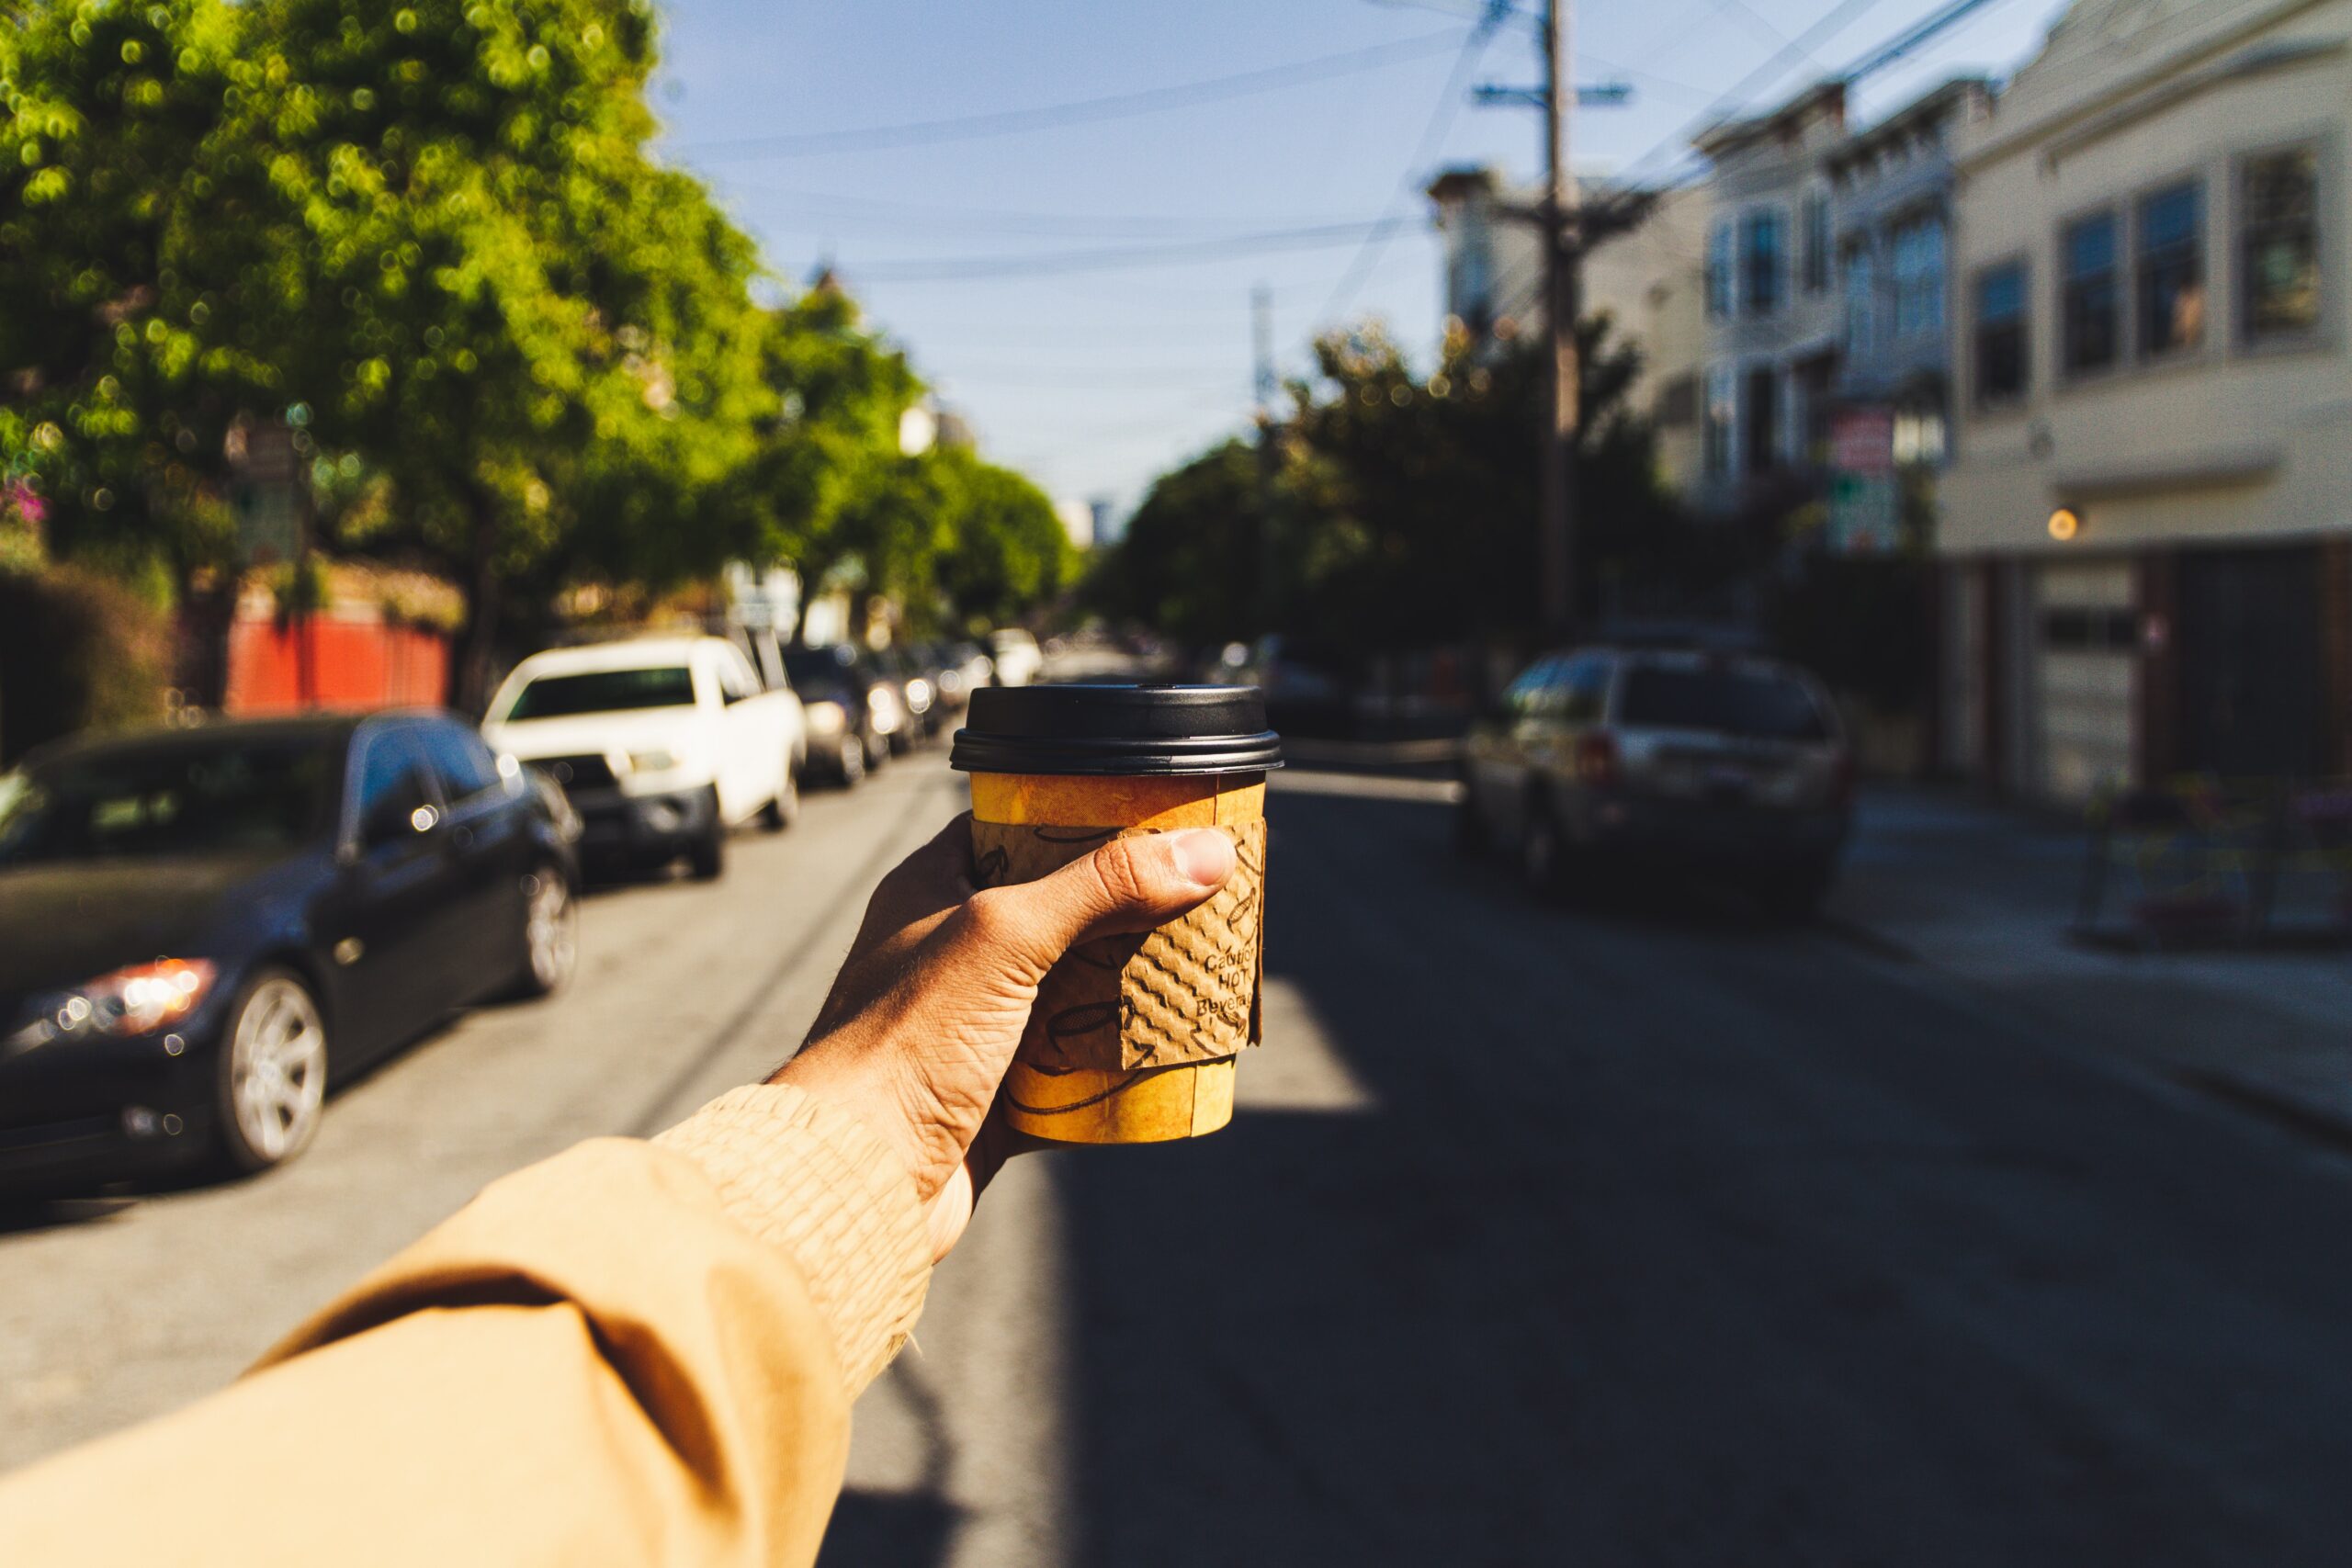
(1129, 885)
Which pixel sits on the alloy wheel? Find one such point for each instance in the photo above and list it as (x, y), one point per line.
(277, 1069)
(551, 930)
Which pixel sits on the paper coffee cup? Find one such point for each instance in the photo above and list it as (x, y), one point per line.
(1134, 1039)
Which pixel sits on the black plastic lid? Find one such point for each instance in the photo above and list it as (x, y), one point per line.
(1116, 729)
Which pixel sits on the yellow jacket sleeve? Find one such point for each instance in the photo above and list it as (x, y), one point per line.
(639, 1353)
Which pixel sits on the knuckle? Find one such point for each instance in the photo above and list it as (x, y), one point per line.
(1120, 871)
(987, 915)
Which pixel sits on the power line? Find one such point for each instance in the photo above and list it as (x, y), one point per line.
(1838, 15)
(1886, 53)
(1440, 120)
(1080, 111)
(964, 269)
(809, 211)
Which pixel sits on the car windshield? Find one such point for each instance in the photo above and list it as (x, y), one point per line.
(816, 667)
(180, 798)
(605, 691)
(1729, 701)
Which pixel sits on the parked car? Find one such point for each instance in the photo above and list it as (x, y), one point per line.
(963, 669)
(845, 739)
(918, 685)
(1308, 688)
(201, 929)
(663, 744)
(1727, 764)
(1018, 660)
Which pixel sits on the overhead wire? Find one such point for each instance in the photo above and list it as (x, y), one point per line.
(1440, 122)
(1079, 111)
(969, 269)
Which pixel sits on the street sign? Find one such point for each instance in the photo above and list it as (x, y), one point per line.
(1864, 503)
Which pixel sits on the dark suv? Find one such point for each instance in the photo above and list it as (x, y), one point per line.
(1611, 758)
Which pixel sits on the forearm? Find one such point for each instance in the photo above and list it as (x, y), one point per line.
(629, 1352)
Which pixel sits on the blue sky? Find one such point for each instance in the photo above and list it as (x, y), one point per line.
(1093, 381)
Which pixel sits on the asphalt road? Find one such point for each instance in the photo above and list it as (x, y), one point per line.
(1572, 1236)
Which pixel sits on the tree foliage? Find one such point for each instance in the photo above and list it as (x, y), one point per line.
(430, 237)
(1400, 508)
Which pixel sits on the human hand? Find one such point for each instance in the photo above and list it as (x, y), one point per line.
(923, 1018)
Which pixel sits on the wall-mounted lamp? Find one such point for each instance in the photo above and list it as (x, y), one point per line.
(2065, 524)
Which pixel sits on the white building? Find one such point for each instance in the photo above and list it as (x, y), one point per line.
(2148, 520)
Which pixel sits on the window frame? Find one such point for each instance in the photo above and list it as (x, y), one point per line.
(1818, 247)
(1720, 272)
(2117, 212)
(1919, 222)
(2322, 145)
(1720, 464)
(1978, 398)
(2138, 353)
(1753, 220)
(1859, 245)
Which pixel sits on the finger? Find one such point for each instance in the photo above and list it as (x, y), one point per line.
(1129, 885)
(908, 906)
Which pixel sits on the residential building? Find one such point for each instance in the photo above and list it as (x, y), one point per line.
(2147, 521)
(1772, 317)
(1646, 280)
(1890, 193)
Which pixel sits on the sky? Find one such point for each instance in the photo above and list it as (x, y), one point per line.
(985, 251)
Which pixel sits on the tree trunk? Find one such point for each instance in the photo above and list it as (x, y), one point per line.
(469, 669)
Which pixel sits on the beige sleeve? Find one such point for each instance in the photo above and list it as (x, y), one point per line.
(630, 1352)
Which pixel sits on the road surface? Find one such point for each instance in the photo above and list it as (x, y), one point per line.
(1543, 1236)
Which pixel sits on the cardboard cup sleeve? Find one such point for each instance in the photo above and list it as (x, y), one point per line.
(1185, 992)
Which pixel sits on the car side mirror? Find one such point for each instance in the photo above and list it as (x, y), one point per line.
(397, 817)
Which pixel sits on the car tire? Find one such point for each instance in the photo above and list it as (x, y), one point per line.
(706, 856)
(271, 1083)
(785, 809)
(550, 935)
(878, 751)
(902, 742)
(1543, 852)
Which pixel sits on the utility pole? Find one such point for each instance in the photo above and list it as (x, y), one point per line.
(1262, 341)
(1568, 231)
(1562, 253)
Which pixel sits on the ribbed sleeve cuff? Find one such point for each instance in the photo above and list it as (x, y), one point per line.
(811, 1180)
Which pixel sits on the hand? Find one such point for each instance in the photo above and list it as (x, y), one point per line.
(923, 1018)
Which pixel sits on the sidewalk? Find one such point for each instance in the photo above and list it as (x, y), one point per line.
(1986, 894)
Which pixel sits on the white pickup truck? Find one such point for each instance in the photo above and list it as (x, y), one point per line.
(663, 745)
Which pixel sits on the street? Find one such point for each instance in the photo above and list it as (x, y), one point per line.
(1644, 1236)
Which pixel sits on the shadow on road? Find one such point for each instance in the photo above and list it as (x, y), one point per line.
(1673, 1241)
(22, 1216)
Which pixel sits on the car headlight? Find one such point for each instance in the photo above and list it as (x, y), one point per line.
(919, 693)
(653, 760)
(827, 719)
(139, 999)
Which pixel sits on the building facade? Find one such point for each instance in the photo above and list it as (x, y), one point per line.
(1771, 318)
(1890, 200)
(1646, 280)
(2147, 527)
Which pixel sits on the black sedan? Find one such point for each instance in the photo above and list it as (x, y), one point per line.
(197, 927)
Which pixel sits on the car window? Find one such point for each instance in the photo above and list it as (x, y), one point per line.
(605, 691)
(1752, 704)
(1584, 690)
(735, 681)
(182, 797)
(393, 784)
(462, 762)
(1524, 696)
